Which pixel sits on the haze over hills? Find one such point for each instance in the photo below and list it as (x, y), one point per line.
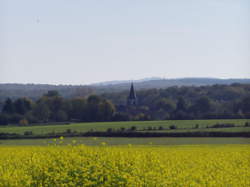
(37, 90)
(157, 82)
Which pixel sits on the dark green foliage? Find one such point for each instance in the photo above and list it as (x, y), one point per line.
(22, 105)
(120, 116)
(41, 112)
(78, 109)
(218, 125)
(160, 128)
(245, 105)
(109, 130)
(133, 128)
(4, 119)
(172, 127)
(181, 103)
(196, 126)
(52, 93)
(8, 107)
(28, 133)
(247, 124)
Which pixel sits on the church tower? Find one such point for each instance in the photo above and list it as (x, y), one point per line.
(132, 100)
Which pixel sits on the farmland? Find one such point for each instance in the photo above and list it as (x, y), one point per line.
(110, 141)
(109, 161)
(206, 165)
(182, 125)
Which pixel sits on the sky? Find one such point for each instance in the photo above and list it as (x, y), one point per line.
(83, 42)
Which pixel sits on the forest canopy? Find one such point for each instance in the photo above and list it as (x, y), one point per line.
(187, 102)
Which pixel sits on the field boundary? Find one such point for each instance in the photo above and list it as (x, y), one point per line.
(4, 136)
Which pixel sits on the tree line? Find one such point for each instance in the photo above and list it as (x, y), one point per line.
(52, 107)
(187, 102)
(204, 102)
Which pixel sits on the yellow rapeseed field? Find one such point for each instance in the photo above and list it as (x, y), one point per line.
(133, 166)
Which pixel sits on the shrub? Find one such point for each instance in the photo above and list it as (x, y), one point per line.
(172, 127)
(28, 133)
(133, 128)
(122, 129)
(109, 130)
(218, 125)
(196, 126)
(68, 131)
(160, 128)
(247, 124)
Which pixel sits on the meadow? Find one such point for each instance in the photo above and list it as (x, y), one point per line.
(128, 165)
(182, 125)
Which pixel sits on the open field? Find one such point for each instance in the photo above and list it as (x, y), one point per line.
(206, 165)
(94, 141)
(103, 126)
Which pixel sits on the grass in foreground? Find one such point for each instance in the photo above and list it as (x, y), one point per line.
(223, 165)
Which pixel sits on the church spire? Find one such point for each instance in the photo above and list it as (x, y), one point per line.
(132, 99)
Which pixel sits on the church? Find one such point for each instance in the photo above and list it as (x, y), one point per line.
(132, 99)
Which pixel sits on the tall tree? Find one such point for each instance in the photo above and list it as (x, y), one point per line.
(41, 111)
(22, 105)
(78, 109)
(105, 111)
(8, 107)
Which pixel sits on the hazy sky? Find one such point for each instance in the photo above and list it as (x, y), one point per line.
(86, 41)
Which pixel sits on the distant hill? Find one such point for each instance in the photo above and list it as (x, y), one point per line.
(165, 83)
(108, 83)
(36, 90)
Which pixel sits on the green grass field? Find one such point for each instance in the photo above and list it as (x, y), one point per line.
(93, 141)
(103, 126)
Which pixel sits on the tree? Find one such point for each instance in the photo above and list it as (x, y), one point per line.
(92, 111)
(181, 104)
(52, 93)
(245, 105)
(78, 109)
(55, 104)
(22, 105)
(202, 105)
(3, 119)
(8, 107)
(41, 111)
(167, 105)
(61, 115)
(106, 111)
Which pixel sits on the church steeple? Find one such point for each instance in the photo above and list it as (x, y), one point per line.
(132, 99)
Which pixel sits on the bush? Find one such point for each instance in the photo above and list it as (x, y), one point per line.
(68, 131)
(122, 129)
(247, 124)
(172, 127)
(218, 125)
(160, 128)
(109, 130)
(28, 133)
(23, 122)
(196, 126)
(133, 128)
